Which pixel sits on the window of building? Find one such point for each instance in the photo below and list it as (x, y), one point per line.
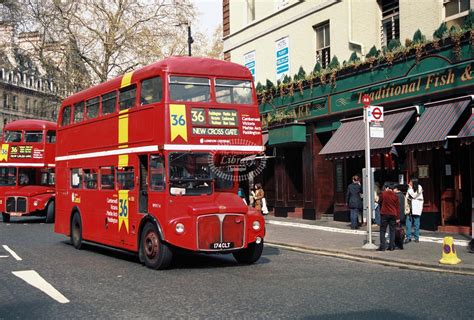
(90, 178)
(78, 112)
(33, 136)
(323, 42)
(250, 10)
(456, 7)
(125, 180)
(107, 178)
(15, 102)
(27, 105)
(390, 28)
(109, 101)
(66, 116)
(151, 91)
(6, 102)
(76, 178)
(127, 97)
(92, 108)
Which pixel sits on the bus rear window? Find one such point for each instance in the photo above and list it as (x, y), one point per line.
(92, 108)
(233, 91)
(79, 112)
(151, 91)
(127, 97)
(189, 89)
(108, 103)
(66, 116)
(33, 136)
(13, 136)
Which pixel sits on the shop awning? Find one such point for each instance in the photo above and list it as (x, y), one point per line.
(435, 124)
(349, 139)
(467, 132)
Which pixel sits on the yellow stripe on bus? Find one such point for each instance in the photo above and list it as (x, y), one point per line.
(126, 79)
(123, 160)
(123, 129)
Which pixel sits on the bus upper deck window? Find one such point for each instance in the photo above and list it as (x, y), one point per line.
(234, 91)
(33, 136)
(92, 108)
(151, 91)
(66, 116)
(127, 97)
(79, 112)
(51, 136)
(13, 136)
(190, 89)
(109, 101)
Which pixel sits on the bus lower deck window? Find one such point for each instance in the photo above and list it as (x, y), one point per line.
(125, 178)
(107, 178)
(76, 178)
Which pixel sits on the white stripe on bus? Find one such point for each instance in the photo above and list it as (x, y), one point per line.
(108, 153)
(211, 147)
(179, 147)
(16, 164)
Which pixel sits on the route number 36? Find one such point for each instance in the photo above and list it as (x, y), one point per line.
(177, 120)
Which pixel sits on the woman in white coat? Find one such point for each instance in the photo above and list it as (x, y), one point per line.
(415, 198)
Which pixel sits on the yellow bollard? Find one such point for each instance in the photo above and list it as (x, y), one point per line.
(449, 253)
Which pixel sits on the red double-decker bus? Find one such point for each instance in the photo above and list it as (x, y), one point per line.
(141, 161)
(27, 169)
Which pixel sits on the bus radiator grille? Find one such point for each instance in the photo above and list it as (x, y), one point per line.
(16, 204)
(220, 232)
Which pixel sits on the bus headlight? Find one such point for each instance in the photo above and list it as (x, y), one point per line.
(179, 228)
(35, 203)
(256, 225)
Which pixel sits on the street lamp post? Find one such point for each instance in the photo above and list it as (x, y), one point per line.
(190, 39)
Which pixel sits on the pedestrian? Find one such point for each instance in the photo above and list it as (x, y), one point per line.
(376, 203)
(402, 200)
(252, 196)
(390, 215)
(415, 200)
(259, 195)
(241, 194)
(354, 201)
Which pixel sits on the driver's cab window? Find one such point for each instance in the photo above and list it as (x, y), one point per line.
(157, 173)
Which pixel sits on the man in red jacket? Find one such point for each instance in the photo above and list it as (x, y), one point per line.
(390, 215)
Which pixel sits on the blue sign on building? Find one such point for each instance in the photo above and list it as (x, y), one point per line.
(249, 62)
(282, 52)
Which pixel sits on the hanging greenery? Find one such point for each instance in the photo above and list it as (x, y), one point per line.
(373, 52)
(354, 57)
(418, 37)
(334, 64)
(317, 68)
(393, 45)
(441, 32)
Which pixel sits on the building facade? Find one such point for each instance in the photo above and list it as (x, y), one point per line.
(26, 89)
(314, 125)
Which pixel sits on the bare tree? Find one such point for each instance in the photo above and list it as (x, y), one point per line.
(95, 40)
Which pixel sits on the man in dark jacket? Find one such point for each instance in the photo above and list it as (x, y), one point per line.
(390, 215)
(354, 200)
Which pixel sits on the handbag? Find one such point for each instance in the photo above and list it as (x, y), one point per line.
(264, 206)
(399, 236)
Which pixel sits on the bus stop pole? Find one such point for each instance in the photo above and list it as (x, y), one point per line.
(368, 181)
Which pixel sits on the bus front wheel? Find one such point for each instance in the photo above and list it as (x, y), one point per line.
(156, 254)
(50, 212)
(6, 217)
(250, 254)
(76, 231)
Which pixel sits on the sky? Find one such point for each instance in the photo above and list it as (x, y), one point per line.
(210, 15)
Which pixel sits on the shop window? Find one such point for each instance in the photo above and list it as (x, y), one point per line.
(323, 43)
(390, 28)
(127, 97)
(107, 178)
(151, 91)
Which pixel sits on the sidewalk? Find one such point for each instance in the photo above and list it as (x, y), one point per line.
(332, 238)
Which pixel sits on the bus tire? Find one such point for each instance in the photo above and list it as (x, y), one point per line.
(76, 231)
(50, 212)
(6, 217)
(250, 254)
(156, 254)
